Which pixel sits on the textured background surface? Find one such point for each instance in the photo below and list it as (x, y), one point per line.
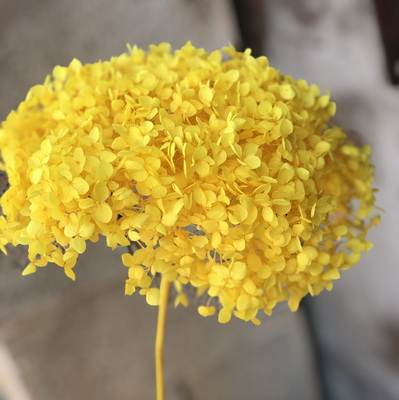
(85, 340)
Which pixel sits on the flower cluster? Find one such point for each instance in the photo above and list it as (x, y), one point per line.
(227, 175)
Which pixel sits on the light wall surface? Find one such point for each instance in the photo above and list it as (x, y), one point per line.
(86, 340)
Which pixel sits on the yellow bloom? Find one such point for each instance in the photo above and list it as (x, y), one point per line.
(228, 175)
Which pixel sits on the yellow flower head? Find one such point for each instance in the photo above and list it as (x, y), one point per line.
(227, 175)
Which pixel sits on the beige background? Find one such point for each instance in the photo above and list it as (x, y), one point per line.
(86, 340)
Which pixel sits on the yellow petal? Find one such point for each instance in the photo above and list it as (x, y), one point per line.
(217, 213)
(303, 174)
(202, 168)
(303, 261)
(322, 147)
(286, 127)
(199, 241)
(331, 274)
(103, 213)
(178, 206)
(80, 185)
(268, 214)
(287, 92)
(86, 230)
(94, 134)
(252, 162)
(127, 260)
(169, 219)
(139, 176)
(30, 269)
(159, 191)
(224, 316)
(199, 153)
(71, 230)
(240, 213)
(152, 296)
(69, 273)
(78, 244)
(36, 175)
(216, 239)
(199, 196)
(139, 256)
(46, 146)
(103, 171)
(146, 102)
(238, 270)
(293, 303)
(206, 311)
(205, 94)
(134, 236)
(107, 156)
(35, 228)
(101, 192)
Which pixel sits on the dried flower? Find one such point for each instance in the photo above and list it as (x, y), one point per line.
(228, 175)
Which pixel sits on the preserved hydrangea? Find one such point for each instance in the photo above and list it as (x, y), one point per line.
(227, 175)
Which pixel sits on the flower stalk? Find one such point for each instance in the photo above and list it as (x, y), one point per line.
(159, 342)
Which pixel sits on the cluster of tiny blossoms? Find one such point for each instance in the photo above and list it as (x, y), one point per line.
(227, 175)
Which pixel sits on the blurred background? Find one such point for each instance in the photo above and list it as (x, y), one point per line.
(85, 340)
